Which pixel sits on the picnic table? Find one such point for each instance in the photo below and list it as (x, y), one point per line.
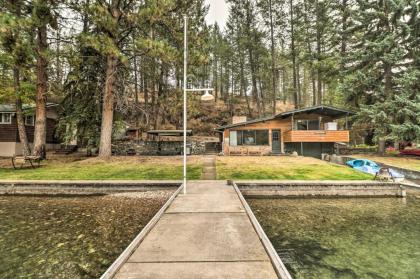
(34, 161)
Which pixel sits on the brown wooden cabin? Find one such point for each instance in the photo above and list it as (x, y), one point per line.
(9, 135)
(308, 131)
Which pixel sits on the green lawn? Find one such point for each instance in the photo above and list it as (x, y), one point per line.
(159, 168)
(170, 168)
(300, 168)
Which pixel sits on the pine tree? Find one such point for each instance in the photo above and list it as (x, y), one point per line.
(16, 41)
(42, 17)
(383, 70)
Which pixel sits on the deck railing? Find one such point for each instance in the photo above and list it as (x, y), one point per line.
(316, 136)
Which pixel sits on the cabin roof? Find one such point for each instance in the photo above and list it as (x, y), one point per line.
(173, 133)
(321, 110)
(12, 107)
(245, 123)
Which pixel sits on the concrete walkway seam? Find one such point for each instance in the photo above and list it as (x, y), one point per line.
(278, 265)
(116, 265)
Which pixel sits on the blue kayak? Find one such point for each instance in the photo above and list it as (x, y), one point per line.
(371, 167)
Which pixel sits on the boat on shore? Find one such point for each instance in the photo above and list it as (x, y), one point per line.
(368, 166)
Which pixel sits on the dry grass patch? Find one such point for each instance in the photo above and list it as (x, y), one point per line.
(411, 163)
(119, 167)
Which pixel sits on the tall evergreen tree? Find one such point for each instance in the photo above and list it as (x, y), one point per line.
(43, 17)
(382, 67)
(16, 41)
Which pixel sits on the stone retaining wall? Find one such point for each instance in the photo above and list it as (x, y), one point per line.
(81, 187)
(331, 189)
(157, 148)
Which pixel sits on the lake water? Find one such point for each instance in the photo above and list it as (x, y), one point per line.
(344, 238)
(69, 237)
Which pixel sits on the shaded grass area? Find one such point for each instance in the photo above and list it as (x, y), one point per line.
(293, 168)
(411, 163)
(116, 168)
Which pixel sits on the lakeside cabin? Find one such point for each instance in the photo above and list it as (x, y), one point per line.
(10, 144)
(309, 132)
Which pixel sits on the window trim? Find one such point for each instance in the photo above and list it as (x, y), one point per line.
(33, 120)
(242, 139)
(306, 121)
(2, 120)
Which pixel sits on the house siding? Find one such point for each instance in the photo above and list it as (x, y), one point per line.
(9, 137)
(287, 135)
(270, 125)
(10, 133)
(317, 136)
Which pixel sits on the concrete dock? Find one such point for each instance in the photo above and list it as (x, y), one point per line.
(204, 234)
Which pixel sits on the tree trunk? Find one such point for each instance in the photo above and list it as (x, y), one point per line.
(318, 54)
(261, 96)
(243, 85)
(295, 92)
(19, 113)
(215, 77)
(254, 82)
(273, 60)
(299, 91)
(108, 107)
(18, 102)
(222, 96)
(41, 90)
(313, 87)
(284, 81)
(343, 48)
(136, 89)
(381, 146)
(146, 94)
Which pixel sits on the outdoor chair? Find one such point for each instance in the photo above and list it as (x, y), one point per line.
(384, 174)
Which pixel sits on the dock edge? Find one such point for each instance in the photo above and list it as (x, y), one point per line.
(277, 263)
(123, 257)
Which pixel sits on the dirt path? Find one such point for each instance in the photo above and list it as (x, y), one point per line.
(209, 168)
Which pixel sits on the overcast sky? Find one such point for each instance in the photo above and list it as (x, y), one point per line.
(218, 12)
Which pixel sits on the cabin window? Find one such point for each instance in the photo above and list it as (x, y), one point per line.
(233, 138)
(262, 137)
(29, 120)
(307, 124)
(5, 118)
(248, 137)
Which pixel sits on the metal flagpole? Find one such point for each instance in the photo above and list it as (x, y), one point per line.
(185, 107)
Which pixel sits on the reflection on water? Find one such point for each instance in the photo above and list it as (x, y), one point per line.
(344, 238)
(68, 237)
